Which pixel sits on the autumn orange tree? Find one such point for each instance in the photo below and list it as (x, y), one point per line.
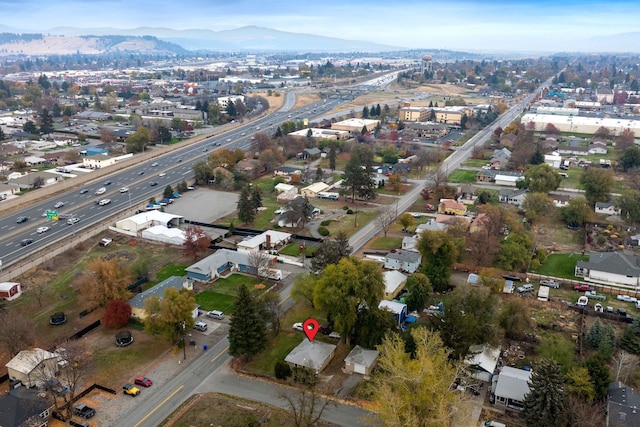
(196, 241)
(106, 280)
(117, 314)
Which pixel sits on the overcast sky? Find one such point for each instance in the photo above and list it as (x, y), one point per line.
(453, 24)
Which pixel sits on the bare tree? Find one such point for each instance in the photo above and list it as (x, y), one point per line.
(74, 364)
(259, 261)
(39, 290)
(272, 311)
(17, 331)
(307, 406)
(624, 364)
(386, 216)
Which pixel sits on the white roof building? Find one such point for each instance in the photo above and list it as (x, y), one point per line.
(334, 134)
(160, 233)
(31, 367)
(360, 360)
(148, 219)
(580, 124)
(393, 283)
(274, 239)
(512, 386)
(482, 361)
(312, 190)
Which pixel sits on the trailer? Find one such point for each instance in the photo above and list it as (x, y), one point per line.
(543, 293)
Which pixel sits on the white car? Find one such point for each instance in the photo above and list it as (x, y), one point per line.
(162, 174)
(298, 327)
(104, 202)
(41, 230)
(124, 189)
(627, 298)
(100, 191)
(58, 205)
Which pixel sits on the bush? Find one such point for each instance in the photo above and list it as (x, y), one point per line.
(344, 208)
(349, 212)
(282, 370)
(535, 263)
(324, 231)
(325, 223)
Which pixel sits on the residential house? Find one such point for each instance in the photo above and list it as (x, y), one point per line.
(138, 310)
(511, 387)
(286, 192)
(24, 407)
(286, 219)
(269, 240)
(622, 406)
(479, 223)
(33, 367)
(598, 148)
(610, 268)
(312, 355)
(451, 207)
(287, 171)
(10, 291)
(512, 197)
(311, 191)
(573, 151)
(360, 361)
(410, 243)
(311, 153)
(431, 225)
(508, 140)
(554, 160)
(399, 310)
(407, 261)
(394, 282)
(482, 361)
(35, 160)
(485, 175)
(501, 154)
(467, 193)
(607, 208)
(26, 182)
(559, 200)
(215, 265)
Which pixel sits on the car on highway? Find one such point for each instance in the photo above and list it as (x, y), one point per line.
(100, 191)
(154, 164)
(228, 139)
(41, 230)
(26, 242)
(141, 173)
(58, 205)
(153, 183)
(143, 381)
(205, 149)
(22, 219)
(107, 182)
(217, 144)
(162, 174)
(104, 202)
(178, 161)
(124, 189)
(73, 220)
(130, 389)
(84, 191)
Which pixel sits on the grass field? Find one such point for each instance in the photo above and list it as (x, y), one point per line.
(463, 176)
(385, 243)
(222, 294)
(561, 265)
(292, 249)
(475, 163)
(170, 270)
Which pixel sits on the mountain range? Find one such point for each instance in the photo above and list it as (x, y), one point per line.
(244, 39)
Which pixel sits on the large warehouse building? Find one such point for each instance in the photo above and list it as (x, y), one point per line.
(579, 124)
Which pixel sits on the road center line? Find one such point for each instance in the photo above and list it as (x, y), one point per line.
(159, 405)
(224, 350)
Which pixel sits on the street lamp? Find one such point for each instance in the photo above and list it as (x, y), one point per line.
(184, 348)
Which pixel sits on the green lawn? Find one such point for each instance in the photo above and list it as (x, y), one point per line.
(348, 222)
(561, 265)
(385, 243)
(475, 163)
(170, 270)
(292, 249)
(463, 176)
(210, 300)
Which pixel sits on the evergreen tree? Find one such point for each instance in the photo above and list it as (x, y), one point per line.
(607, 343)
(365, 112)
(198, 105)
(599, 373)
(30, 127)
(537, 158)
(231, 109)
(319, 174)
(332, 158)
(278, 133)
(46, 122)
(2, 135)
(364, 130)
(629, 340)
(256, 198)
(55, 110)
(247, 332)
(358, 174)
(543, 405)
(594, 335)
(246, 212)
(378, 111)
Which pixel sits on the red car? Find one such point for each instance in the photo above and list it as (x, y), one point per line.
(582, 288)
(143, 381)
(430, 208)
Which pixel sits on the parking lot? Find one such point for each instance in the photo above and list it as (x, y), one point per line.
(204, 205)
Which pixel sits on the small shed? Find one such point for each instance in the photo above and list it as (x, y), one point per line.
(31, 367)
(312, 355)
(394, 282)
(360, 361)
(10, 290)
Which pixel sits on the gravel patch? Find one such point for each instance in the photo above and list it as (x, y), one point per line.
(204, 205)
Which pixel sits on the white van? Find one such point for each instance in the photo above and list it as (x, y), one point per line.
(215, 314)
(200, 326)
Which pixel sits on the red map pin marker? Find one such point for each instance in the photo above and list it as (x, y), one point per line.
(310, 327)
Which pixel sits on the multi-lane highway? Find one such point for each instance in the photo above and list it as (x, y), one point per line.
(175, 167)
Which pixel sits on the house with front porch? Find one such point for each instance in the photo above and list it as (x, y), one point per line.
(610, 268)
(215, 265)
(511, 387)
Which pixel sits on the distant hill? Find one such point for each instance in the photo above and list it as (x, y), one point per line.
(37, 44)
(244, 39)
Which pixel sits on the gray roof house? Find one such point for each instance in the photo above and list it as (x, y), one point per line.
(622, 406)
(482, 361)
(610, 268)
(511, 387)
(137, 302)
(512, 197)
(360, 361)
(24, 407)
(408, 261)
(607, 208)
(214, 265)
(312, 355)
